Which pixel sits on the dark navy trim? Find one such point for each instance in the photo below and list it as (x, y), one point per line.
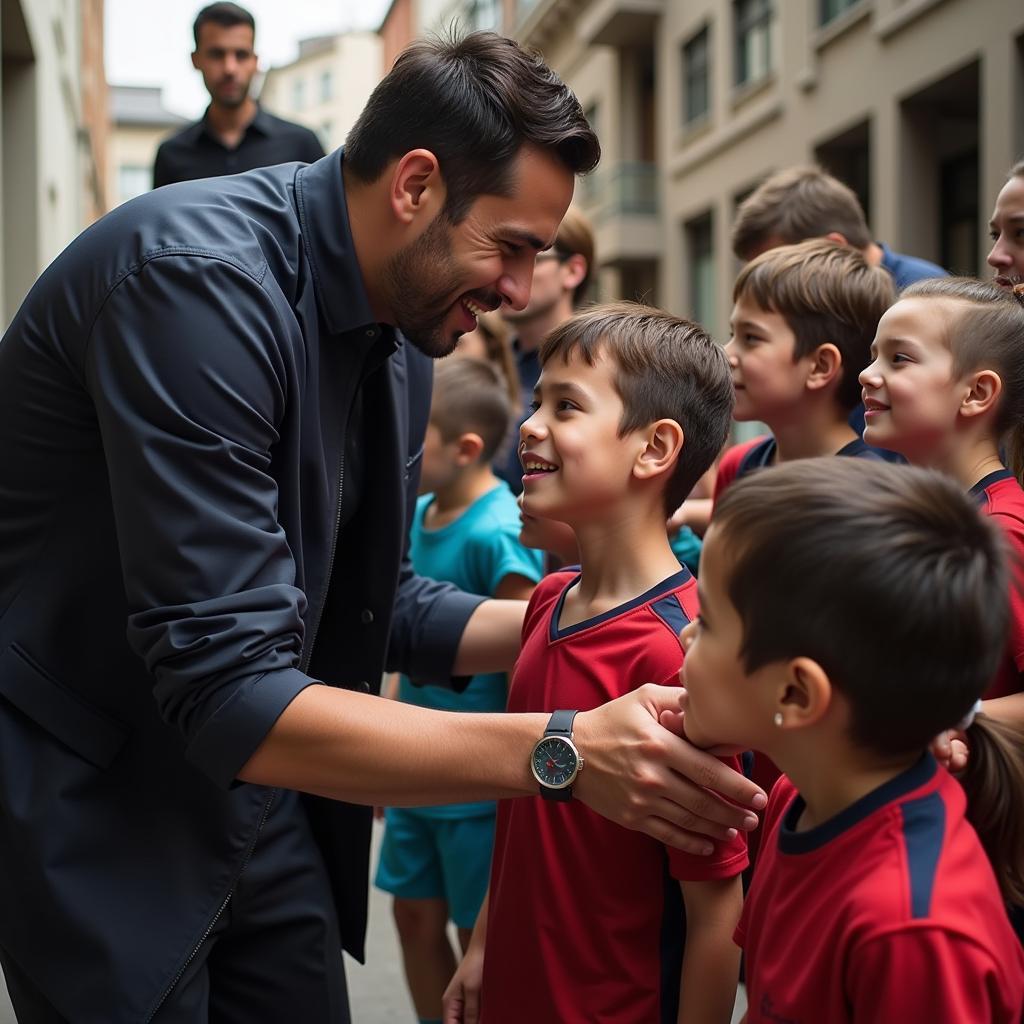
(791, 841)
(757, 457)
(859, 449)
(924, 827)
(979, 489)
(670, 611)
(666, 586)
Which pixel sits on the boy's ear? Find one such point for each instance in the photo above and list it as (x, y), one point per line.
(417, 189)
(984, 390)
(468, 448)
(826, 366)
(805, 696)
(663, 441)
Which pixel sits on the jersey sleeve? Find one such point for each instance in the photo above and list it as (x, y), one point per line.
(927, 974)
(1013, 530)
(729, 859)
(499, 554)
(729, 466)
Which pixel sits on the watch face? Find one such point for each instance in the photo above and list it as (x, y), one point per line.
(555, 762)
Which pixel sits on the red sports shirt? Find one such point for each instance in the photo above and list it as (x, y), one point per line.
(1000, 496)
(889, 913)
(577, 904)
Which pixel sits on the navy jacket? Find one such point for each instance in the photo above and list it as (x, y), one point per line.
(176, 394)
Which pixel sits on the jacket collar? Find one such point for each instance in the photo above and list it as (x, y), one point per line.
(323, 214)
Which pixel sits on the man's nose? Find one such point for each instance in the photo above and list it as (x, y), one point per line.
(515, 283)
(999, 257)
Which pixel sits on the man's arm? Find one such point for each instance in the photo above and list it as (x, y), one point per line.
(711, 960)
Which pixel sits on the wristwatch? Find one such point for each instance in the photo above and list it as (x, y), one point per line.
(555, 761)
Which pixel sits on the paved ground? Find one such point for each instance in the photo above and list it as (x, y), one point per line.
(377, 991)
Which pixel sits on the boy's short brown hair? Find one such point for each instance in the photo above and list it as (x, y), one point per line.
(668, 368)
(470, 398)
(886, 576)
(826, 292)
(794, 204)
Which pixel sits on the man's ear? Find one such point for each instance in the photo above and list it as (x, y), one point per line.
(574, 270)
(984, 390)
(837, 237)
(195, 60)
(805, 695)
(662, 443)
(469, 447)
(417, 188)
(826, 366)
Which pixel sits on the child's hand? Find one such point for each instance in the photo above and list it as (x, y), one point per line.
(950, 749)
(461, 1001)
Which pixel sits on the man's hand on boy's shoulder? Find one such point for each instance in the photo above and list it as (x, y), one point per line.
(642, 775)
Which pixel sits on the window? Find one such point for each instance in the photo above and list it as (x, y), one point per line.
(132, 181)
(696, 77)
(298, 94)
(700, 259)
(829, 9)
(753, 26)
(326, 86)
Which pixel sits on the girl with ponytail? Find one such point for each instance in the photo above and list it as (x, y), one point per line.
(946, 390)
(850, 610)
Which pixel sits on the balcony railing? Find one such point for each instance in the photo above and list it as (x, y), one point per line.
(620, 190)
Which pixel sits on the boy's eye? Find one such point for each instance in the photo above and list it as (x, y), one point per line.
(564, 405)
(899, 357)
(534, 405)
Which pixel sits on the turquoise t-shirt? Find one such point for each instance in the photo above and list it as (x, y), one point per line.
(475, 552)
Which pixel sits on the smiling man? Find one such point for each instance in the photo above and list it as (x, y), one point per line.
(214, 409)
(234, 134)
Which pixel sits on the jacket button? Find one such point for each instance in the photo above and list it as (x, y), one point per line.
(364, 686)
(366, 616)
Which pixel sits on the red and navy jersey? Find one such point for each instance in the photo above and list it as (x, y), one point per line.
(743, 458)
(887, 913)
(577, 923)
(1001, 497)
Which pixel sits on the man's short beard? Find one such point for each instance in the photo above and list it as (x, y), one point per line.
(428, 259)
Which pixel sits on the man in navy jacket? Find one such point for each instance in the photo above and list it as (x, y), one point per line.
(214, 404)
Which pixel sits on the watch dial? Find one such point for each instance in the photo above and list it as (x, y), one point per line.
(554, 761)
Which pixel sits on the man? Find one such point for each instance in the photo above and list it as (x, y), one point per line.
(234, 134)
(561, 279)
(806, 202)
(214, 409)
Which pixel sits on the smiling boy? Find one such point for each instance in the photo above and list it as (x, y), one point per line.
(631, 407)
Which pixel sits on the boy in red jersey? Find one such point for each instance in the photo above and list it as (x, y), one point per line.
(802, 322)
(631, 407)
(873, 899)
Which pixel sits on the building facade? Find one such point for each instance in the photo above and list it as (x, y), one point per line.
(327, 85)
(917, 104)
(53, 122)
(139, 123)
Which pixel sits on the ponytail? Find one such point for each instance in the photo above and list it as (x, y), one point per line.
(994, 783)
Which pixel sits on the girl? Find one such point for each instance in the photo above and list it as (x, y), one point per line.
(1006, 229)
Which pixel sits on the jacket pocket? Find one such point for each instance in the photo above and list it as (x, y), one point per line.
(91, 734)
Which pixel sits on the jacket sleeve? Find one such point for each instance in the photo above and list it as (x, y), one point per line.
(185, 367)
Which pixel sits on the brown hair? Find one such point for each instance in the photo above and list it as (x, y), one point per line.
(1016, 171)
(576, 237)
(484, 88)
(826, 293)
(794, 204)
(470, 397)
(987, 333)
(666, 368)
(909, 621)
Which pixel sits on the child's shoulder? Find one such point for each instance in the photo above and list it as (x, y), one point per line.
(741, 458)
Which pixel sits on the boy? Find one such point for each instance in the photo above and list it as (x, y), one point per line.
(435, 860)
(631, 407)
(802, 324)
(872, 899)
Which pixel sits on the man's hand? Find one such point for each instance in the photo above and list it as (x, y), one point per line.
(461, 1001)
(642, 775)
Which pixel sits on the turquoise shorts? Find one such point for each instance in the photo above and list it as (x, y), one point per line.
(434, 858)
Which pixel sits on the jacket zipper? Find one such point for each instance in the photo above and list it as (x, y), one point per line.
(220, 910)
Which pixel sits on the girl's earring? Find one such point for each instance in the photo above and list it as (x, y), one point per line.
(778, 719)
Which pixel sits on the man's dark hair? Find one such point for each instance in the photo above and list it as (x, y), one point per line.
(470, 398)
(473, 102)
(886, 576)
(665, 368)
(224, 14)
